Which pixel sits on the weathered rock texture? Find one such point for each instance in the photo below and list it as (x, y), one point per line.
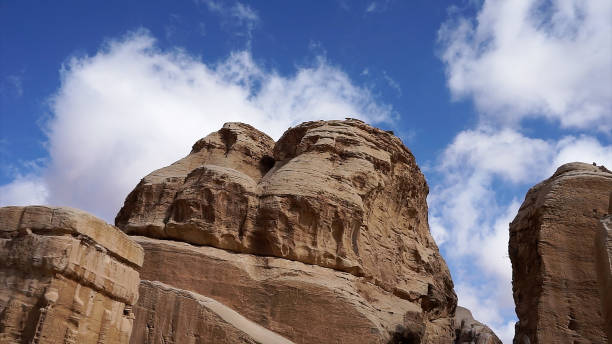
(470, 331)
(552, 245)
(304, 303)
(171, 315)
(603, 247)
(66, 277)
(339, 195)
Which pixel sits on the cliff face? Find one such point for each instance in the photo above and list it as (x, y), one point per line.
(330, 220)
(553, 251)
(603, 255)
(67, 277)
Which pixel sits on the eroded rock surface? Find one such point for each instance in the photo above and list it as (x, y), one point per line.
(470, 331)
(552, 245)
(170, 315)
(340, 195)
(304, 303)
(67, 277)
(603, 255)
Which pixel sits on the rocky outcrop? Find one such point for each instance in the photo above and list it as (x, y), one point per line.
(552, 245)
(344, 198)
(304, 303)
(603, 260)
(67, 277)
(171, 315)
(470, 331)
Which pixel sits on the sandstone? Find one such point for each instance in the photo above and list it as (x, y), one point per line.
(470, 331)
(170, 315)
(603, 255)
(67, 277)
(552, 244)
(337, 194)
(303, 303)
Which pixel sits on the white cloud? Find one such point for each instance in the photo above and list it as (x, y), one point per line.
(483, 175)
(24, 190)
(534, 58)
(132, 108)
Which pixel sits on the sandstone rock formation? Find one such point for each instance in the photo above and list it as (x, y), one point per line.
(67, 277)
(340, 204)
(603, 255)
(470, 331)
(552, 245)
(192, 318)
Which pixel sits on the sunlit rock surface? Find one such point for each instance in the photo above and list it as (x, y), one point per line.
(66, 277)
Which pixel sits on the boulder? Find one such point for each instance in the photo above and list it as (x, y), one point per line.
(67, 277)
(552, 245)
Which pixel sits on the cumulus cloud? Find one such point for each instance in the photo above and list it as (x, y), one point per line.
(533, 58)
(132, 108)
(481, 175)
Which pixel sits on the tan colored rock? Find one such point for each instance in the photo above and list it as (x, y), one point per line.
(303, 303)
(153, 204)
(552, 245)
(338, 194)
(169, 315)
(603, 259)
(470, 331)
(65, 277)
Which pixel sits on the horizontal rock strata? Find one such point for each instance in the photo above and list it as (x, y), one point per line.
(552, 249)
(67, 277)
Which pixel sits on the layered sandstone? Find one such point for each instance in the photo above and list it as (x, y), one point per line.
(470, 331)
(67, 277)
(342, 197)
(552, 246)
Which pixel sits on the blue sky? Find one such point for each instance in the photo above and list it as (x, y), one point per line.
(491, 96)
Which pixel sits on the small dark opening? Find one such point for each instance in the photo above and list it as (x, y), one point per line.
(266, 163)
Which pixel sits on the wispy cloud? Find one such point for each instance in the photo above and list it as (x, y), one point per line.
(132, 108)
(237, 15)
(12, 86)
(377, 6)
(392, 83)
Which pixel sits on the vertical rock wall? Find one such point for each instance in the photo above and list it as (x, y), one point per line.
(66, 277)
(552, 249)
(603, 260)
